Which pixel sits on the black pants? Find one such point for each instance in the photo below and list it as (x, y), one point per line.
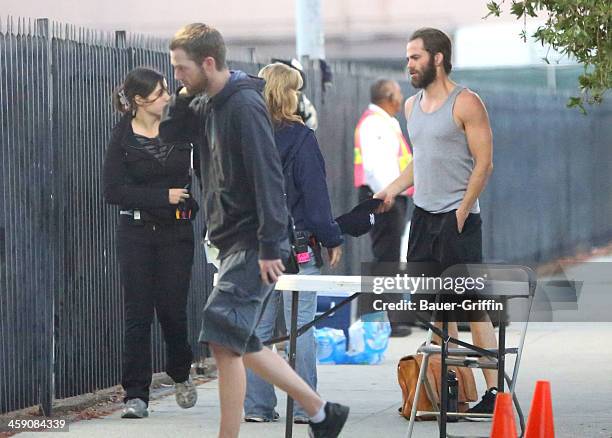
(155, 263)
(386, 236)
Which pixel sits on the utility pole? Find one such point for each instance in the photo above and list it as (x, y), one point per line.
(309, 36)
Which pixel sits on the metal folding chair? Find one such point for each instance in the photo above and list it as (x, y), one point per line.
(508, 282)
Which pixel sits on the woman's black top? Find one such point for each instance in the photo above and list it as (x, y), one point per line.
(139, 171)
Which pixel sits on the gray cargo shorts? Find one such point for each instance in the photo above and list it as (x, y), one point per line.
(236, 304)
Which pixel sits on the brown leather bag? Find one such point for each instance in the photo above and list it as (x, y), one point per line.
(408, 373)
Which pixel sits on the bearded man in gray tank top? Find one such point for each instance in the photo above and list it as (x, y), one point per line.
(449, 131)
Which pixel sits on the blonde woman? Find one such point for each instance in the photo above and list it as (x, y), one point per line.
(308, 202)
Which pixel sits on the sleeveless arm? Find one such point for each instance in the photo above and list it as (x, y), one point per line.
(408, 106)
(471, 112)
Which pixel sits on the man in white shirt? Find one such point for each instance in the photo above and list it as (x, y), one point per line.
(381, 153)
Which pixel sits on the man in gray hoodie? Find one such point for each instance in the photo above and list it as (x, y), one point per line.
(246, 216)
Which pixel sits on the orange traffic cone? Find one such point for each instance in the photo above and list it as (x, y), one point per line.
(503, 417)
(540, 423)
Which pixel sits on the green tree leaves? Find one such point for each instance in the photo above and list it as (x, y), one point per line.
(578, 28)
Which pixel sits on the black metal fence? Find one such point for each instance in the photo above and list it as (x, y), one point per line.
(61, 317)
(61, 310)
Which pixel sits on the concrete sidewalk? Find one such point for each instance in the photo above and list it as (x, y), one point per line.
(571, 356)
(575, 357)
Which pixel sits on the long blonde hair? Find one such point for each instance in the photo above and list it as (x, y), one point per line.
(281, 92)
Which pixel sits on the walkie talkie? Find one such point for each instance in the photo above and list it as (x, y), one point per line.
(184, 210)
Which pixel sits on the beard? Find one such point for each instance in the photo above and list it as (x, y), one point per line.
(197, 85)
(424, 78)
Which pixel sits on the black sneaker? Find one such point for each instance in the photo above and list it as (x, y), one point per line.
(262, 418)
(485, 406)
(335, 417)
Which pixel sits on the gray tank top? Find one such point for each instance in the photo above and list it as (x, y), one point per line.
(443, 163)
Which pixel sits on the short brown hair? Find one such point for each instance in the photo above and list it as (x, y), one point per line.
(435, 41)
(200, 41)
(281, 92)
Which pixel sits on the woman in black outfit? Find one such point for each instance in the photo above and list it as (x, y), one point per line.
(149, 181)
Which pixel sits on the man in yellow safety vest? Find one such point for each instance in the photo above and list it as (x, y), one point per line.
(381, 154)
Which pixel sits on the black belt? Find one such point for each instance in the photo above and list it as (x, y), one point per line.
(140, 217)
